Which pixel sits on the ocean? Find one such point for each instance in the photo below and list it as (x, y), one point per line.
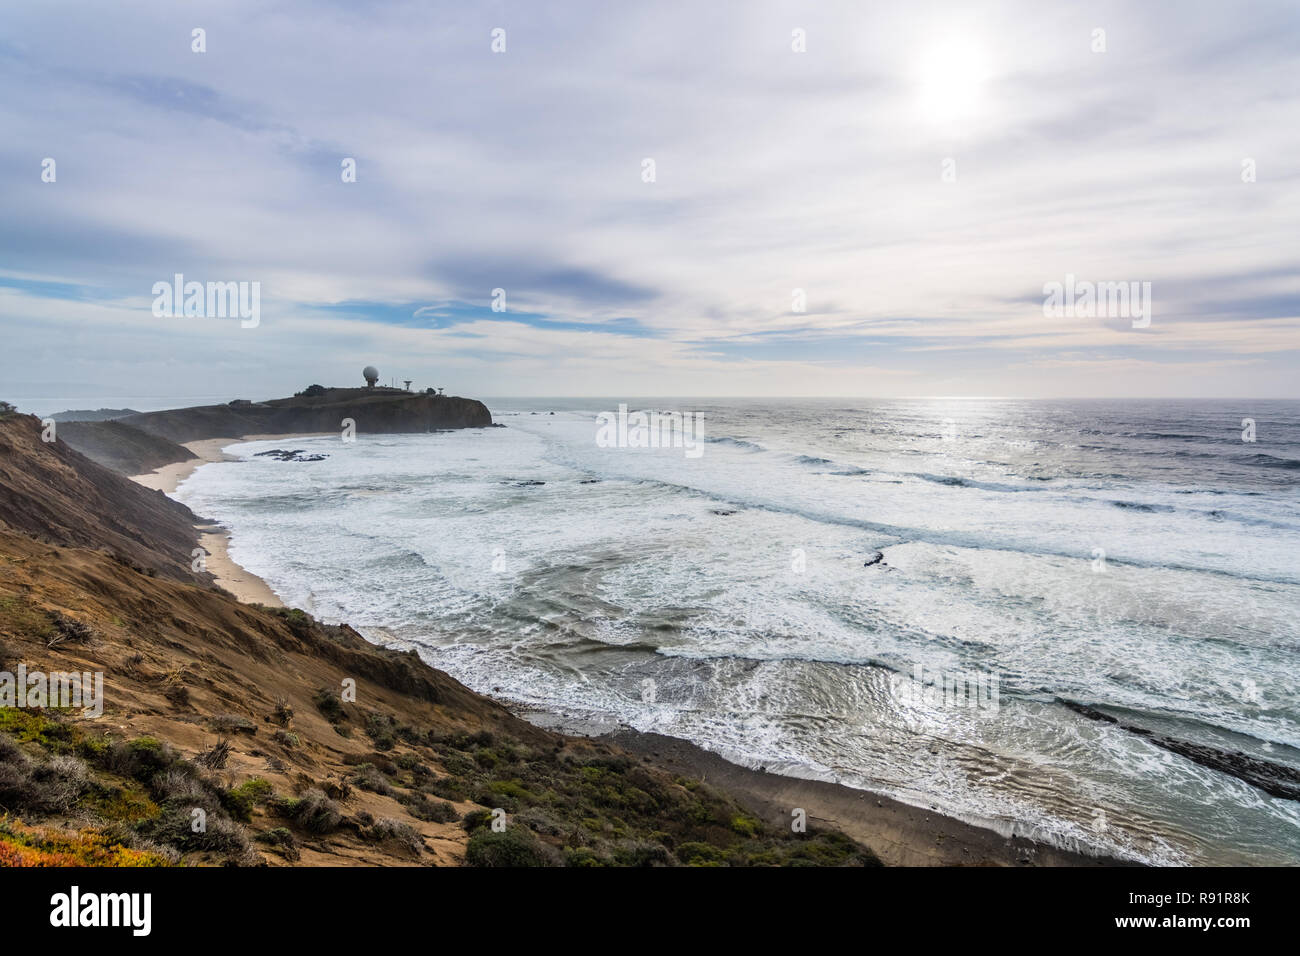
(1135, 557)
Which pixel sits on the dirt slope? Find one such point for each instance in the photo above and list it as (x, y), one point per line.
(124, 449)
(56, 494)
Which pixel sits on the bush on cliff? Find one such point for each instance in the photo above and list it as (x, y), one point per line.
(313, 812)
(514, 846)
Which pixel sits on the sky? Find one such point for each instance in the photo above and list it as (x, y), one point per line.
(912, 174)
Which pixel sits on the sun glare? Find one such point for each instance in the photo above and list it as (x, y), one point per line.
(952, 76)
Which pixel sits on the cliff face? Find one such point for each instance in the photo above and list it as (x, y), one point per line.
(120, 447)
(375, 411)
(55, 494)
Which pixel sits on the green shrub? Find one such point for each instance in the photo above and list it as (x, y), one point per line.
(230, 724)
(51, 787)
(435, 811)
(380, 727)
(449, 788)
(513, 788)
(239, 801)
(34, 726)
(175, 827)
(283, 840)
(297, 619)
(514, 846)
(700, 854)
(142, 758)
(368, 777)
(329, 704)
(642, 853)
(396, 832)
(582, 856)
(314, 812)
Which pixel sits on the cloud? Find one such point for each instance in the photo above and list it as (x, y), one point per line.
(820, 171)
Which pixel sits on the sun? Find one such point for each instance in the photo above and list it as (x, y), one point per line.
(951, 77)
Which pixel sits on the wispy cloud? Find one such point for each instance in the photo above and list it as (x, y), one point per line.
(918, 236)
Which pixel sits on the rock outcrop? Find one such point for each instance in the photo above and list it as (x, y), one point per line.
(375, 411)
(1275, 779)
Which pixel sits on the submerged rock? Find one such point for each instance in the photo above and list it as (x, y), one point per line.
(1275, 779)
(280, 454)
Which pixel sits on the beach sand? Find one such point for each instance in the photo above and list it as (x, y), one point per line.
(214, 539)
(167, 478)
(244, 585)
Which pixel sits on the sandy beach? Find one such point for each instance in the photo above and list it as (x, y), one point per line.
(168, 477)
(244, 585)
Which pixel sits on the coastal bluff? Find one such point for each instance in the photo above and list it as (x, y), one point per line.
(374, 410)
(138, 442)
